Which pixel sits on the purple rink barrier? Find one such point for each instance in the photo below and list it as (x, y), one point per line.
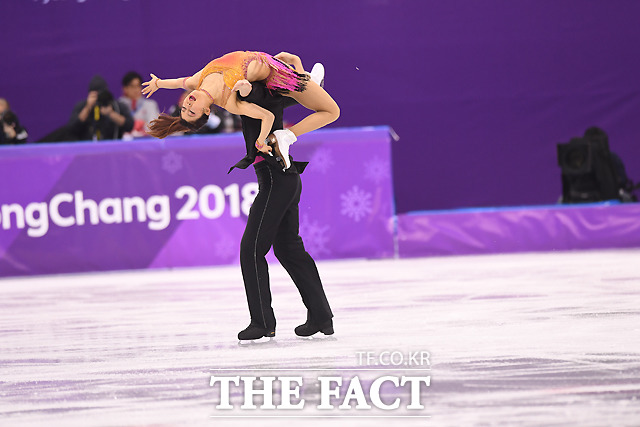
(542, 228)
(155, 204)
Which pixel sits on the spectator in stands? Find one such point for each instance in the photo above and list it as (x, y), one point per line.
(12, 132)
(143, 110)
(99, 116)
(228, 122)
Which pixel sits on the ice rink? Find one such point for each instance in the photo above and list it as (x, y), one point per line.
(547, 339)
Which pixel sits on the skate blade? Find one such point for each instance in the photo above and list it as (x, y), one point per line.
(318, 337)
(263, 340)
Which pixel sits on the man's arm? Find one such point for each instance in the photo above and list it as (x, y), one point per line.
(125, 113)
(83, 114)
(77, 125)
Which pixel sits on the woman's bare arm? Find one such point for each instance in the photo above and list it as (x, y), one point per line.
(155, 83)
(235, 106)
(191, 83)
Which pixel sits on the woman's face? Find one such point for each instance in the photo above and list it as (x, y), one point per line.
(195, 105)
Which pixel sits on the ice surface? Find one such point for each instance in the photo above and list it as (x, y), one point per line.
(523, 339)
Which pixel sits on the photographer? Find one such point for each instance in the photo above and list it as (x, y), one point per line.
(100, 116)
(12, 131)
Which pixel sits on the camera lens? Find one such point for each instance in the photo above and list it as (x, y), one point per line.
(104, 98)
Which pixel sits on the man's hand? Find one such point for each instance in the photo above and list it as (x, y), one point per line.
(92, 98)
(9, 131)
(106, 111)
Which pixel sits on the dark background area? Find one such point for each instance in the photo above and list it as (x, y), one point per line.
(480, 93)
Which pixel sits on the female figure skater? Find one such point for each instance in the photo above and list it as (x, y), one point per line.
(220, 81)
(273, 219)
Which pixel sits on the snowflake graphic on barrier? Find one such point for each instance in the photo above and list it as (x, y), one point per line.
(322, 160)
(314, 236)
(356, 203)
(377, 170)
(172, 162)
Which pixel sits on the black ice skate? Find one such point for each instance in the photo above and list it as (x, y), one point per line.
(254, 332)
(309, 328)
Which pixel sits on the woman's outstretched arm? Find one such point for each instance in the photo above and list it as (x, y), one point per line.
(155, 83)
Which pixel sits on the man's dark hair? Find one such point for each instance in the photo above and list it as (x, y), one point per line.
(129, 77)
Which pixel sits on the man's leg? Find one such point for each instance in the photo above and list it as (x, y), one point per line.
(276, 191)
(289, 249)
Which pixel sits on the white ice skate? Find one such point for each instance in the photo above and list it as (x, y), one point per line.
(280, 141)
(317, 74)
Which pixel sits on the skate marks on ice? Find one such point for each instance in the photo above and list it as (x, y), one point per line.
(528, 339)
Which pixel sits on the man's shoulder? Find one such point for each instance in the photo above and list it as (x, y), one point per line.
(261, 95)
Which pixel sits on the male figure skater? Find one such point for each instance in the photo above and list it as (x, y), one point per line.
(274, 220)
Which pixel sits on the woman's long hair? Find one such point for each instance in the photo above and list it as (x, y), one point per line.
(166, 125)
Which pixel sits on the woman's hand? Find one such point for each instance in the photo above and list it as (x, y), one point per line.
(261, 146)
(151, 86)
(243, 87)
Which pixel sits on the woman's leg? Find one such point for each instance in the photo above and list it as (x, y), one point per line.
(317, 99)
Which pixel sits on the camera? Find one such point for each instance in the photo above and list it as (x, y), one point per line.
(591, 172)
(10, 119)
(105, 98)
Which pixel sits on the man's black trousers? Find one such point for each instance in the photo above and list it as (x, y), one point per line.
(274, 220)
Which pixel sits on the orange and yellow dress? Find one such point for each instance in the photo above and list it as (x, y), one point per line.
(233, 67)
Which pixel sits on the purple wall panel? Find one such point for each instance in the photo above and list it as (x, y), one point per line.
(479, 92)
(547, 228)
(151, 203)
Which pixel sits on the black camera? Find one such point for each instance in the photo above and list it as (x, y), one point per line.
(10, 118)
(591, 172)
(105, 98)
